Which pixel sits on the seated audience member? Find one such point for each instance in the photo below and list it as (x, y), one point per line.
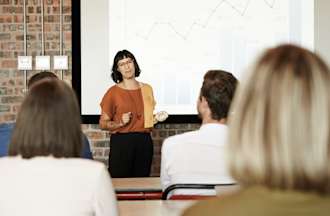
(5, 134)
(279, 139)
(198, 156)
(43, 174)
(7, 128)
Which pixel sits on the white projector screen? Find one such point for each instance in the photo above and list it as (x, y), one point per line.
(176, 42)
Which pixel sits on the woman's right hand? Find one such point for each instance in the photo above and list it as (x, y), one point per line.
(126, 117)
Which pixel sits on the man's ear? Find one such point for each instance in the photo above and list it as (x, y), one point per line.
(204, 102)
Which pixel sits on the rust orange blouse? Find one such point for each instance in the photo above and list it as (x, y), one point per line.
(139, 102)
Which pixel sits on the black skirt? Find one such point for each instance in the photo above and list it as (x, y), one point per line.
(130, 155)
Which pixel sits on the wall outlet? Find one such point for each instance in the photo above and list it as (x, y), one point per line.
(60, 62)
(42, 62)
(24, 62)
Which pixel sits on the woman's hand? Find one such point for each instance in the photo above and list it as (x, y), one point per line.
(160, 116)
(125, 118)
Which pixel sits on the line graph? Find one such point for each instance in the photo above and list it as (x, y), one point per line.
(178, 40)
(270, 3)
(185, 35)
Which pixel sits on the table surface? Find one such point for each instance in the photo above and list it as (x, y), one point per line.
(154, 207)
(226, 189)
(147, 184)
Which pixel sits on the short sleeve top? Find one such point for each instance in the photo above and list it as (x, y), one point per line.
(118, 101)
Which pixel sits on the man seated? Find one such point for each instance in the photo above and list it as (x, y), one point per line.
(7, 128)
(198, 157)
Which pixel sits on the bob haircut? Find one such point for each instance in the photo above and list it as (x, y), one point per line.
(116, 75)
(279, 132)
(48, 122)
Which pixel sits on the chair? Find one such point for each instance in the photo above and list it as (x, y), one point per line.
(173, 187)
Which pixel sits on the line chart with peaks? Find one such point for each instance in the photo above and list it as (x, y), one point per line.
(176, 42)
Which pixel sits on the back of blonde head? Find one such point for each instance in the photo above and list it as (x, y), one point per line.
(279, 132)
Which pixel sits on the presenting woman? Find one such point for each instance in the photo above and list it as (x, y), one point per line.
(127, 112)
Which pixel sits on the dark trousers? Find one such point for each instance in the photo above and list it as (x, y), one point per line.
(130, 155)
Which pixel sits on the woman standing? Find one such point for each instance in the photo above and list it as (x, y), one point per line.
(127, 112)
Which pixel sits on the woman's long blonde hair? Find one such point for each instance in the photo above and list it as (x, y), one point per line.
(279, 132)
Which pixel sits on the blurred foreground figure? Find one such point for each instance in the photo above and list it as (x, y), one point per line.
(279, 139)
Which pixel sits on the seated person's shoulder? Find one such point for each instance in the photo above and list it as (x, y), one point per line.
(179, 138)
(6, 130)
(224, 205)
(7, 126)
(87, 165)
(87, 153)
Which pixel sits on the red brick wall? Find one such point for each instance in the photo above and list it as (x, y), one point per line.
(12, 80)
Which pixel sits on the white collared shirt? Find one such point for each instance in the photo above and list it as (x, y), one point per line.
(196, 157)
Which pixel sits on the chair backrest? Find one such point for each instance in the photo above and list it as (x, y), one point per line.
(173, 187)
(189, 197)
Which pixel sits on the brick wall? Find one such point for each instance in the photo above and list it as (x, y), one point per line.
(100, 141)
(12, 80)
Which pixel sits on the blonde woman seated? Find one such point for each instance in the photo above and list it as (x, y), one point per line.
(44, 175)
(279, 139)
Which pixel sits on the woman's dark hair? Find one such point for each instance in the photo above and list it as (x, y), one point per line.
(116, 75)
(48, 122)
